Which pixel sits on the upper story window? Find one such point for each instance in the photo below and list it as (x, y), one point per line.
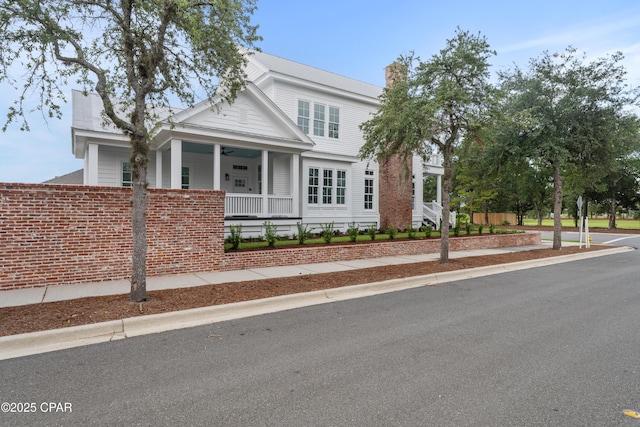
(334, 122)
(321, 126)
(303, 116)
(318, 119)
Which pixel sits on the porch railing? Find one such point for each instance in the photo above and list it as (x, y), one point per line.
(251, 205)
(432, 212)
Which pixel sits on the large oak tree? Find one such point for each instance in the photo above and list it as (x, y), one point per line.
(434, 103)
(136, 54)
(562, 109)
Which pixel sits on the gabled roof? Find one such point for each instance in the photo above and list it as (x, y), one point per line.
(271, 65)
(71, 178)
(224, 121)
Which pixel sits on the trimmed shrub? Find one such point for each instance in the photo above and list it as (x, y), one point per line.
(270, 233)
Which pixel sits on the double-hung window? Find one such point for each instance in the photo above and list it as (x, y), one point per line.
(341, 187)
(314, 174)
(185, 178)
(368, 189)
(325, 123)
(327, 186)
(303, 116)
(126, 174)
(318, 119)
(334, 122)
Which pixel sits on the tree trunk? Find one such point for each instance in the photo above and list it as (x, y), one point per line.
(557, 207)
(446, 204)
(612, 211)
(539, 214)
(486, 212)
(139, 219)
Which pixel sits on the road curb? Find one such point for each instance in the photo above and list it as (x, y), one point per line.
(58, 339)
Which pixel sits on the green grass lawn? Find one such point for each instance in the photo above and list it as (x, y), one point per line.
(363, 238)
(624, 224)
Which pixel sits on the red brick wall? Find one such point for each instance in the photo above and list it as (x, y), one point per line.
(57, 234)
(337, 252)
(395, 189)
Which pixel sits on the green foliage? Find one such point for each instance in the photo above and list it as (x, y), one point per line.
(434, 103)
(492, 229)
(392, 231)
(372, 231)
(135, 56)
(352, 232)
(467, 228)
(270, 233)
(561, 113)
(235, 235)
(303, 232)
(480, 228)
(412, 232)
(327, 231)
(428, 229)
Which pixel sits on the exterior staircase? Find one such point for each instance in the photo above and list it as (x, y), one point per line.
(432, 214)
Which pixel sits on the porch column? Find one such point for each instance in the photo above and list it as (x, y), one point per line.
(439, 189)
(265, 183)
(216, 167)
(158, 169)
(176, 164)
(295, 184)
(91, 165)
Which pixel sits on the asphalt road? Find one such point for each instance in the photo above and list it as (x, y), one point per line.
(550, 346)
(632, 240)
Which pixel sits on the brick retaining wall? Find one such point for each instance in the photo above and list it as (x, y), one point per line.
(60, 234)
(344, 252)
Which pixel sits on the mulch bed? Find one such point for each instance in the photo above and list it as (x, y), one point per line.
(54, 315)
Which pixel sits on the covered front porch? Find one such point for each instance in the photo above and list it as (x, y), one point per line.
(258, 182)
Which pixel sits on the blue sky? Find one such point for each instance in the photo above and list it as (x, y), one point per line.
(358, 38)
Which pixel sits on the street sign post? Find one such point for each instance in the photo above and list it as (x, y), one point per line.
(579, 203)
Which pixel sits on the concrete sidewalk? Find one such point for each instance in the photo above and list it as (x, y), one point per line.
(45, 341)
(15, 297)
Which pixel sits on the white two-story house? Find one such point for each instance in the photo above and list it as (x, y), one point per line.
(285, 151)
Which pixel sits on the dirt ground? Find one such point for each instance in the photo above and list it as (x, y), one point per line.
(53, 315)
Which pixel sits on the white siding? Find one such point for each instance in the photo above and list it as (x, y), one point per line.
(110, 161)
(244, 114)
(280, 179)
(361, 216)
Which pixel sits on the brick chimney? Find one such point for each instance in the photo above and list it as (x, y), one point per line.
(395, 184)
